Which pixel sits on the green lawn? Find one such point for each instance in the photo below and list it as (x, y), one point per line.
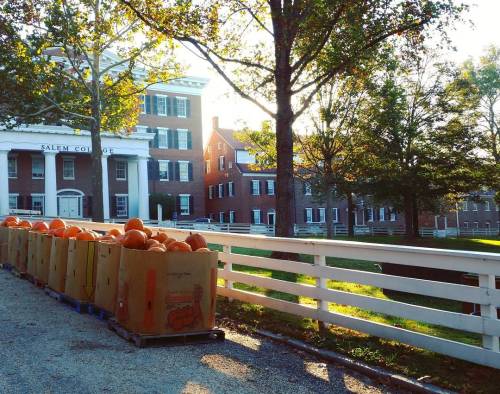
(415, 362)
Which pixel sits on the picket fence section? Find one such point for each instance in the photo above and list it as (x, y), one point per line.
(485, 265)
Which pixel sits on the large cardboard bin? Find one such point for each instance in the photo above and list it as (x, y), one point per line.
(81, 270)
(43, 257)
(58, 263)
(4, 245)
(4, 235)
(166, 293)
(18, 248)
(32, 253)
(108, 266)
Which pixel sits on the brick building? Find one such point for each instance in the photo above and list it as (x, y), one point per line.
(47, 168)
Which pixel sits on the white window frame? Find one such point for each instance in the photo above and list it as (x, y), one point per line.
(40, 159)
(207, 166)
(392, 216)
(162, 97)
(466, 224)
(255, 182)
(230, 165)
(231, 216)
(123, 213)
(465, 205)
(476, 225)
(322, 215)
(335, 215)
(270, 182)
(163, 132)
(188, 212)
(14, 196)
(222, 165)
(120, 162)
(72, 161)
(14, 174)
(487, 206)
(254, 211)
(487, 225)
(38, 195)
(141, 129)
(309, 215)
(221, 217)
(183, 164)
(381, 214)
(230, 189)
(210, 192)
(142, 104)
(308, 191)
(475, 206)
(184, 133)
(165, 163)
(219, 145)
(179, 100)
(370, 214)
(220, 190)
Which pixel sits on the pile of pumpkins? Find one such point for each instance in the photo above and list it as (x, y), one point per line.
(135, 235)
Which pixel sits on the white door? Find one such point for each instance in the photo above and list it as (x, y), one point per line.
(69, 207)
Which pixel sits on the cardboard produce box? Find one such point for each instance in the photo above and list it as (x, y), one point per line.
(108, 266)
(81, 270)
(32, 253)
(166, 293)
(4, 253)
(4, 235)
(22, 250)
(12, 252)
(58, 264)
(43, 257)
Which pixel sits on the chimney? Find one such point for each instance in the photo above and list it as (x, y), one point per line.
(215, 123)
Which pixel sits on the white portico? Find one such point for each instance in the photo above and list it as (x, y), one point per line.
(50, 141)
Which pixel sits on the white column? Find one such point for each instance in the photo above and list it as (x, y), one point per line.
(4, 182)
(143, 188)
(105, 186)
(50, 184)
(133, 188)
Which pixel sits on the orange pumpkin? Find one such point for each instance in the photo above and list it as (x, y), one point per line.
(157, 249)
(168, 241)
(196, 241)
(148, 232)
(11, 219)
(202, 250)
(160, 237)
(57, 223)
(107, 238)
(40, 226)
(58, 232)
(134, 239)
(71, 231)
(25, 224)
(85, 236)
(152, 242)
(114, 231)
(179, 246)
(134, 224)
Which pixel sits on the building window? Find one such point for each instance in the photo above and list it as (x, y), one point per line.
(162, 105)
(12, 201)
(335, 215)
(182, 137)
(142, 103)
(210, 192)
(38, 203)
(230, 165)
(465, 205)
(307, 189)
(184, 204)
(308, 215)
(141, 129)
(393, 215)
(270, 188)
(381, 214)
(181, 107)
(183, 171)
(207, 166)
(121, 170)
(221, 190)
(476, 225)
(230, 189)
(487, 225)
(163, 169)
(369, 214)
(256, 216)
(162, 138)
(12, 167)
(231, 216)
(486, 205)
(322, 215)
(121, 206)
(255, 188)
(222, 162)
(219, 145)
(466, 224)
(221, 217)
(474, 206)
(68, 168)
(37, 168)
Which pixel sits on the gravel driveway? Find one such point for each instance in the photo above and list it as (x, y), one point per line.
(45, 347)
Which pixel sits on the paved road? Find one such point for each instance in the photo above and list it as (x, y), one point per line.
(47, 348)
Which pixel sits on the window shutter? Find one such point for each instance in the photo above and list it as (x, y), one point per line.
(189, 140)
(155, 105)
(305, 215)
(177, 172)
(227, 188)
(190, 171)
(387, 215)
(150, 169)
(234, 190)
(147, 100)
(169, 106)
(251, 187)
(156, 170)
(89, 206)
(176, 139)
(171, 175)
(304, 188)
(113, 206)
(156, 142)
(274, 183)
(191, 205)
(170, 138)
(174, 105)
(266, 189)
(376, 215)
(365, 213)
(178, 205)
(252, 218)
(260, 187)
(188, 108)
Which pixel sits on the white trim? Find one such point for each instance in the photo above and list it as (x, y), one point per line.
(72, 160)
(82, 194)
(183, 98)
(168, 173)
(119, 160)
(158, 104)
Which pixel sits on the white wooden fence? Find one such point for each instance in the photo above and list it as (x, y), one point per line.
(485, 265)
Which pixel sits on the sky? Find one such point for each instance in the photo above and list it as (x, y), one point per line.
(234, 112)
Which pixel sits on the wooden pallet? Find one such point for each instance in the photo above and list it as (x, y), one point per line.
(199, 337)
(100, 313)
(77, 305)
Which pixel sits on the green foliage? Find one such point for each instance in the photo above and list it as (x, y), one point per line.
(167, 203)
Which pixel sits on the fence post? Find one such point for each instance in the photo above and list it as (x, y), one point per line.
(228, 267)
(489, 311)
(321, 283)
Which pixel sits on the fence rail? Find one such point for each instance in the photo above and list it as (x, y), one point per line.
(485, 265)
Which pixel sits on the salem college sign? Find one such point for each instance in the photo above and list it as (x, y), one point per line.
(72, 148)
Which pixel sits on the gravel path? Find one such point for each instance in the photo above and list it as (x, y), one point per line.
(47, 348)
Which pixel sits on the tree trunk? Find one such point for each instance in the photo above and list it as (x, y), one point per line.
(328, 214)
(350, 216)
(408, 212)
(416, 232)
